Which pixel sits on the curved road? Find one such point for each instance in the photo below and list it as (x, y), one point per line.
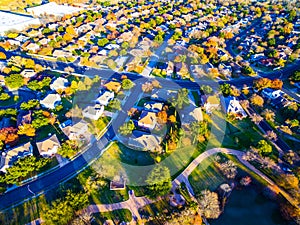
(43, 183)
(134, 203)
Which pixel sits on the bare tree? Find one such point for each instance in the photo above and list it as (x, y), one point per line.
(255, 118)
(271, 135)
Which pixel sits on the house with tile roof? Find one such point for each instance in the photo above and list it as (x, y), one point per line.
(9, 157)
(49, 146)
(105, 97)
(51, 101)
(147, 120)
(76, 131)
(232, 105)
(144, 141)
(153, 106)
(93, 112)
(59, 84)
(113, 86)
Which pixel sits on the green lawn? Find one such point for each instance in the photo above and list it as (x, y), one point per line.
(156, 209)
(44, 132)
(117, 216)
(118, 158)
(206, 176)
(24, 213)
(245, 169)
(237, 134)
(97, 126)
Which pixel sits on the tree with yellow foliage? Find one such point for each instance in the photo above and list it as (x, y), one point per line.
(27, 129)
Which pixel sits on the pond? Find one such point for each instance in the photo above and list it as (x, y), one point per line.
(248, 207)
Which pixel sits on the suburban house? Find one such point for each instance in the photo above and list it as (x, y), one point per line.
(28, 73)
(9, 157)
(113, 86)
(93, 112)
(61, 53)
(192, 115)
(144, 141)
(154, 106)
(33, 47)
(59, 84)
(232, 105)
(105, 97)
(147, 120)
(77, 130)
(49, 146)
(51, 101)
(210, 102)
(272, 93)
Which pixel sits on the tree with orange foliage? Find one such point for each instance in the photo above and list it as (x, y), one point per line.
(8, 135)
(162, 117)
(262, 83)
(277, 84)
(2, 55)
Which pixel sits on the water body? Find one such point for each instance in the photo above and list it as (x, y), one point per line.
(248, 207)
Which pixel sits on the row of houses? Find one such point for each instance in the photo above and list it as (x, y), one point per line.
(46, 148)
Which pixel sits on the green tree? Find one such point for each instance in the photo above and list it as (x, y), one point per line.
(14, 81)
(115, 104)
(4, 96)
(127, 128)
(23, 168)
(272, 42)
(68, 149)
(158, 182)
(125, 45)
(264, 148)
(77, 200)
(181, 99)
(102, 42)
(39, 85)
(40, 119)
(207, 89)
(296, 76)
(127, 84)
(225, 89)
(58, 213)
(31, 104)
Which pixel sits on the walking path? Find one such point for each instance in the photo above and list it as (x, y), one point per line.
(133, 204)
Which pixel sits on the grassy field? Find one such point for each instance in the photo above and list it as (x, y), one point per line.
(24, 213)
(116, 216)
(117, 160)
(206, 176)
(237, 134)
(155, 209)
(245, 169)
